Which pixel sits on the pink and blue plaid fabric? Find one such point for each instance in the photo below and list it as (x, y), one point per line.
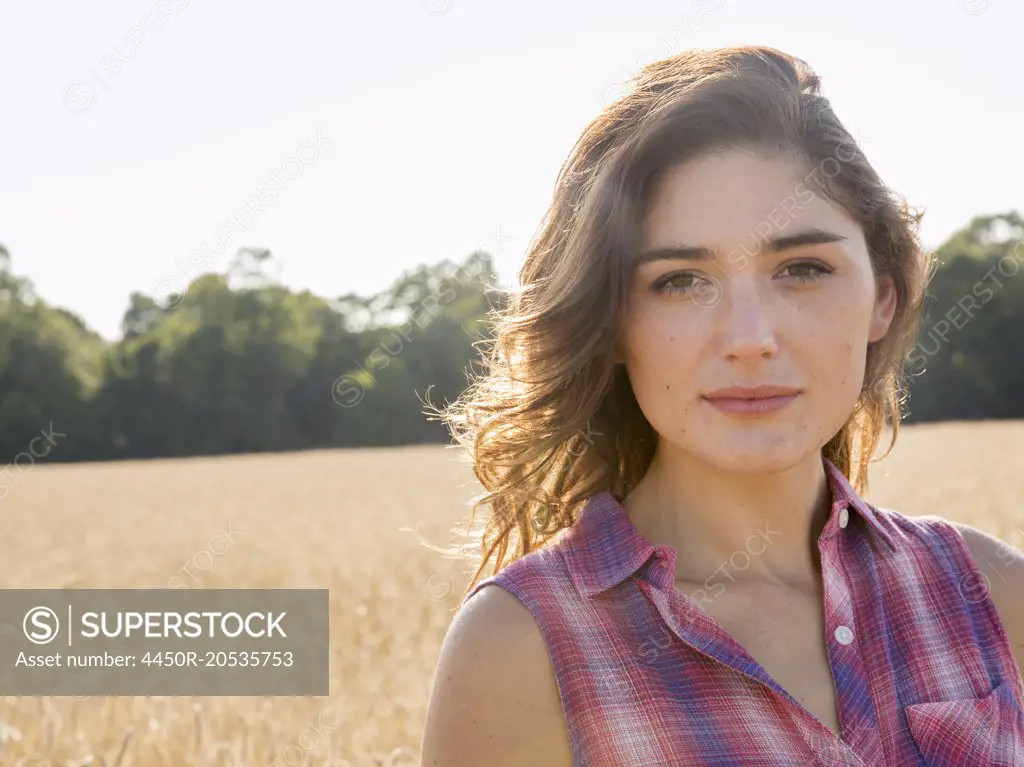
(922, 665)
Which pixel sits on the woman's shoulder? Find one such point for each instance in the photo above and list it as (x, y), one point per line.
(934, 525)
(988, 569)
(930, 527)
(493, 682)
(966, 546)
(935, 540)
(538, 576)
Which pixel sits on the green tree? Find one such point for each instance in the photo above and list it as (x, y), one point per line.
(968, 362)
(50, 364)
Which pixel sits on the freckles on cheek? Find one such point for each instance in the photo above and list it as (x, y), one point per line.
(657, 360)
(846, 366)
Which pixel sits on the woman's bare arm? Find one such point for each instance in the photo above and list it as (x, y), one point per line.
(494, 699)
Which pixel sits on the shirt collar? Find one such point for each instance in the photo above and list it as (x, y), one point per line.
(604, 548)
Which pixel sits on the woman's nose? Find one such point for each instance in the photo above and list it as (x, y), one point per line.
(748, 324)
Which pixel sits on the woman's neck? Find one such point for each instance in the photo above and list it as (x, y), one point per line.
(726, 525)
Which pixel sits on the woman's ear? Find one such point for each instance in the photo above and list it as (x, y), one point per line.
(885, 308)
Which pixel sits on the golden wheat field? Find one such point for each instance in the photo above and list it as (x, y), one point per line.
(349, 521)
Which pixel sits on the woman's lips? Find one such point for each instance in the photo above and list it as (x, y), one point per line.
(751, 401)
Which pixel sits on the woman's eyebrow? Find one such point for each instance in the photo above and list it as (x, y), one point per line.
(771, 245)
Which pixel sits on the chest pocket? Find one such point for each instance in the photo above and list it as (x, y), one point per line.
(975, 731)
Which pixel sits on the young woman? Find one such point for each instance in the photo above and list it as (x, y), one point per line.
(673, 433)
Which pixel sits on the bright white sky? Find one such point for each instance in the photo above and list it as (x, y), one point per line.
(449, 121)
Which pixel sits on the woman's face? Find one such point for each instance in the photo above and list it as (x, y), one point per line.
(714, 305)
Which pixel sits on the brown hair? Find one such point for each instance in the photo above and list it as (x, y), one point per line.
(553, 419)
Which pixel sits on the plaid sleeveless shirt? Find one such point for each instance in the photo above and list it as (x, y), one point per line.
(923, 669)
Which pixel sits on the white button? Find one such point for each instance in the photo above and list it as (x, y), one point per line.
(844, 517)
(844, 635)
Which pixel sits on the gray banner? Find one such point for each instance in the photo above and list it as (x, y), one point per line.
(164, 642)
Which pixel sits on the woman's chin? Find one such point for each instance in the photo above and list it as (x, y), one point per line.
(757, 456)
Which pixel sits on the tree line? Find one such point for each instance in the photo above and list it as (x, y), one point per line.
(239, 363)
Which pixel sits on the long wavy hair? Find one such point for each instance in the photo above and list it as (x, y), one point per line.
(552, 419)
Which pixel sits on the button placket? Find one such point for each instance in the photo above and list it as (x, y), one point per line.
(841, 627)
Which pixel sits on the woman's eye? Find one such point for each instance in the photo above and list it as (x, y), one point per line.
(806, 271)
(680, 282)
